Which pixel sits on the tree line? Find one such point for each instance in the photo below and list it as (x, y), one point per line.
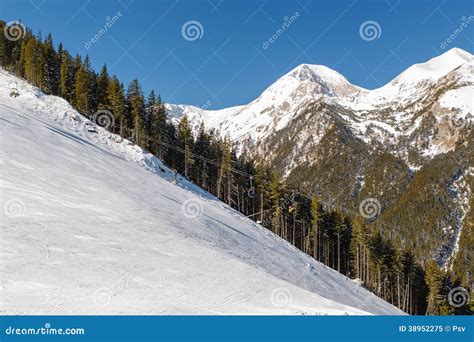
(340, 240)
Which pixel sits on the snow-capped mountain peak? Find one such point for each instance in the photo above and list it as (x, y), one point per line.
(310, 79)
(433, 69)
(276, 105)
(322, 75)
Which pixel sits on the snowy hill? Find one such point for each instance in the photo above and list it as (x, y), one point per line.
(93, 225)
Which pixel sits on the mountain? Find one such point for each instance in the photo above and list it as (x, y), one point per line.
(274, 108)
(386, 114)
(407, 144)
(92, 224)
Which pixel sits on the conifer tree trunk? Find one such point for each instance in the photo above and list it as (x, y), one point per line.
(338, 252)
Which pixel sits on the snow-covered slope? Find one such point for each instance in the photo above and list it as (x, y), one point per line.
(91, 224)
(391, 115)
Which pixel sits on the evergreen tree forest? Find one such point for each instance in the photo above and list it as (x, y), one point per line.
(339, 239)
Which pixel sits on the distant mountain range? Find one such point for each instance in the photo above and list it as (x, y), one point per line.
(408, 144)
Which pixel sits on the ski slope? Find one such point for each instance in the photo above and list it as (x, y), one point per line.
(90, 224)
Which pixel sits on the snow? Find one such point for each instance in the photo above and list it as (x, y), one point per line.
(91, 224)
(435, 68)
(463, 99)
(406, 85)
(282, 101)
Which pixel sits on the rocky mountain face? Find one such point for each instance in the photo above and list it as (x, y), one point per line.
(407, 146)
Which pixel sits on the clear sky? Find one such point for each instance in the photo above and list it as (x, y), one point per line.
(231, 60)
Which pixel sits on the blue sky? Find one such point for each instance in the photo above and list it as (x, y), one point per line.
(232, 60)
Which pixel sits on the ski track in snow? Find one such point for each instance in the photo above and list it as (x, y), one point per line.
(90, 224)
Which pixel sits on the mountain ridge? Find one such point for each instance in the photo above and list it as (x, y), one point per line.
(279, 103)
(462, 55)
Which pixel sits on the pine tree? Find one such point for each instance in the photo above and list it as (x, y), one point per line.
(314, 232)
(339, 230)
(65, 76)
(102, 88)
(38, 63)
(276, 195)
(185, 141)
(4, 50)
(117, 103)
(76, 64)
(16, 60)
(357, 248)
(159, 123)
(224, 172)
(30, 60)
(201, 168)
(433, 278)
(50, 67)
(93, 93)
(150, 109)
(261, 182)
(170, 155)
(81, 90)
(156, 124)
(397, 275)
(136, 112)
